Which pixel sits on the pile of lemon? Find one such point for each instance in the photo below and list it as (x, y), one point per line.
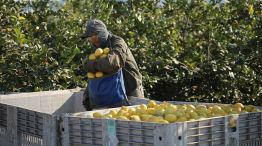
(169, 113)
(99, 53)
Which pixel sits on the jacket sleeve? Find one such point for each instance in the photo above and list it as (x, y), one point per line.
(114, 61)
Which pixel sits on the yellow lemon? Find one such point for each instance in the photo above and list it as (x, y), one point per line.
(92, 57)
(97, 115)
(124, 108)
(150, 111)
(190, 106)
(140, 111)
(143, 106)
(170, 110)
(239, 105)
(182, 119)
(151, 103)
(135, 118)
(256, 110)
(113, 113)
(106, 50)
(98, 52)
(170, 118)
(159, 112)
(145, 117)
(122, 118)
(107, 116)
(90, 75)
(162, 122)
(249, 108)
(99, 74)
(103, 56)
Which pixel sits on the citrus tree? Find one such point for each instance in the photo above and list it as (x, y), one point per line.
(186, 50)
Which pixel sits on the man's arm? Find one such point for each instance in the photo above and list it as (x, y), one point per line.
(113, 62)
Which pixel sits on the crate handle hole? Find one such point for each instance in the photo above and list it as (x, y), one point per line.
(160, 138)
(234, 129)
(179, 137)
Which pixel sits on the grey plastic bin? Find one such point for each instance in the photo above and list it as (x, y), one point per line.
(80, 129)
(32, 119)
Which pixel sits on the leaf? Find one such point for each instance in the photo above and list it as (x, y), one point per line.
(71, 57)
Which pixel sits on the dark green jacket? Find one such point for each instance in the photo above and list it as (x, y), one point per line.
(119, 57)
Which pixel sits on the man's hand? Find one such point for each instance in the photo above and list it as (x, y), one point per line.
(89, 65)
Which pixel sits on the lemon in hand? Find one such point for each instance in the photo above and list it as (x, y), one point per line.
(90, 75)
(99, 74)
(106, 50)
(98, 52)
(103, 55)
(92, 57)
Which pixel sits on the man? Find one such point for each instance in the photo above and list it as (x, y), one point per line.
(119, 57)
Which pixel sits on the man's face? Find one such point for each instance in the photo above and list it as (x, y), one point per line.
(94, 40)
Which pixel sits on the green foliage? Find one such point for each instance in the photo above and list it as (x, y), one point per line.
(186, 50)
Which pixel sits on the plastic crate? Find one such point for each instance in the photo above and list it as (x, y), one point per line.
(97, 132)
(33, 119)
(250, 129)
(80, 129)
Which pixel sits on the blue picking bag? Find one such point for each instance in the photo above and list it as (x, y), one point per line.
(107, 90)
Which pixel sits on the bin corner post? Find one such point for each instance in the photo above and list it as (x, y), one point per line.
(12, 130)
(65, 130)
(182, 134)
(49, 130)
(109, 132)
(232, 131)
(166, 135)
(261, 125)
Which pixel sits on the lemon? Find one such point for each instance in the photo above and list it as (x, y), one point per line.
(151, 103)
(124, 108)
(150, 111)
(239, 105)
(193, 115)
(256, 110)
(135, 118)
(143, 106)
(182, 119)
(140, 111)
(103, 56)
(97, 115)
(107, 116)
(170, 118)
(92, 57)
(90, 75)
(145, 117)
(227, 109)
(106, 50)
(170, 110)
(113, 113)
(162, 122)
(249, 108)
(131, 111)
(98, 52)
(190, 106)
(99, 74)
(159, 112)
(122, 118)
